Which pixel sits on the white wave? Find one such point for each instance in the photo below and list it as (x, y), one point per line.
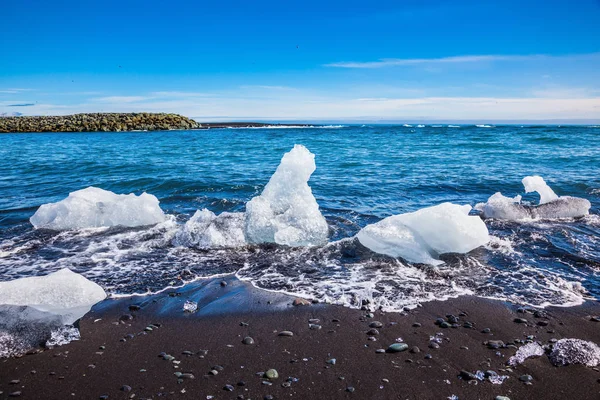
(286, 127)
(287, 212)
(64, 293)
(453, 126)
(94, 207)
(551, 206)
(484, 126)
(205, 230)
(407, 126)
(420, 126)
(524, 352)
(423, 235)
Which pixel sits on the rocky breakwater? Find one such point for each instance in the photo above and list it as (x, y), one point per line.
(97, 122)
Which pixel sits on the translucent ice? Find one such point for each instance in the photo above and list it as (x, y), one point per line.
(538, 184)
(63, 293)
(551, 206)
(206, 230)
(286, 212)
(524, 352)
(575, 351)
(93, 207)
(423, 235)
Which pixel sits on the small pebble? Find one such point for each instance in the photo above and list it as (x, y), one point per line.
(375, 324)
(248, 340)
(285, 333)
(272, 374)
(228, 388)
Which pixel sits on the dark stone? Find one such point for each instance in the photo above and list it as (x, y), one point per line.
(520, 320)
(248, 340)
(372, 332)
(526, 378)
(134, 307)
(375, 324)
(125, 388)
(228, 388)
(467, 376)
(416, 325)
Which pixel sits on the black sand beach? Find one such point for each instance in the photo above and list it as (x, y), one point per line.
(149, 348)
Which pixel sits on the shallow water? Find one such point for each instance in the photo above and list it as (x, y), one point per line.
(364, 173)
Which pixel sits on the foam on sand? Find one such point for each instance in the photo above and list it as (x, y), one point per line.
(286, 212)
(423, 235)
(93, 207)
(63, 293)
(205, 230)
(551, 206)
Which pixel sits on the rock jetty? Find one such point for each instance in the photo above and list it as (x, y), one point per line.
(97, 122)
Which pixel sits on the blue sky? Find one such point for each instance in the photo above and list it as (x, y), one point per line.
(304, 60)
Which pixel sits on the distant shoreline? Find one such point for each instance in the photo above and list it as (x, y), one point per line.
(116, 122)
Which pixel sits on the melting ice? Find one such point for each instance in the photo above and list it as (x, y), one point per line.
(551, 206)
(423, 235)
(287, 212)
(41, 309)
(93, 208)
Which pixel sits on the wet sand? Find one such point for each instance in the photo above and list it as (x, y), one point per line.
(121, 358)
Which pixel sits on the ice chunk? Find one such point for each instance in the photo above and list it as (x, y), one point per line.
(575, 351)
(524, 352)
(423, 235)
(23, 328)
(502, 207)
(63, 335)
(190, 306)
(93, 207)
(206, 230)
(64, 293)
(537, 184)
(551, 206)
(286, 212)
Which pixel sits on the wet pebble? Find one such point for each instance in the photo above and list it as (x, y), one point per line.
(126, 388)
(397, 347)
(415, 349)
(248, 340)
(502, 398)
(526, 378)
(272, 374)
(285, 333)
(15, 394)
(350, 389)
(314, 327)
(379, 351)
(228, 388)
(495, 344)
(372, 332)
(520, 320)
(467, 376)
(416, 325)
(375, 324)
(331, 361)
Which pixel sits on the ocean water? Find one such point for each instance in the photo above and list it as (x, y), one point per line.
(364, 174)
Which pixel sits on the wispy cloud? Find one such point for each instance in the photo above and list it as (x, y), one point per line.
(21, 105)
(464, 59)
(268, 87)
(121, 99)
(15, 90)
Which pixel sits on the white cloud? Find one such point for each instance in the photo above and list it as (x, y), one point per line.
(465, 59)
(121, 99)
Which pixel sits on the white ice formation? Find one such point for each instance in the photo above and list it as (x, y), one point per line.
(93, 207)
(550, 206)
(286, 212)
(63, 293)
(524, 352)
(575, 351)
(423, 235)
(206, 230)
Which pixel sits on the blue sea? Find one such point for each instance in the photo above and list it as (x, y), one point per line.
(364, 174)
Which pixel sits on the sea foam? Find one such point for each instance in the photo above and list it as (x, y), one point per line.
(93, 208)
(423, 235)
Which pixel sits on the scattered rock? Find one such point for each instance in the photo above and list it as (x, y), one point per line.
(375, 324)
(272, 374)
(286, 333)
(526, 378)
(248, 340)
(397, 347)
(520, 320)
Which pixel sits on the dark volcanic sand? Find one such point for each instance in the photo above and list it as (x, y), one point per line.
(84, 370)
